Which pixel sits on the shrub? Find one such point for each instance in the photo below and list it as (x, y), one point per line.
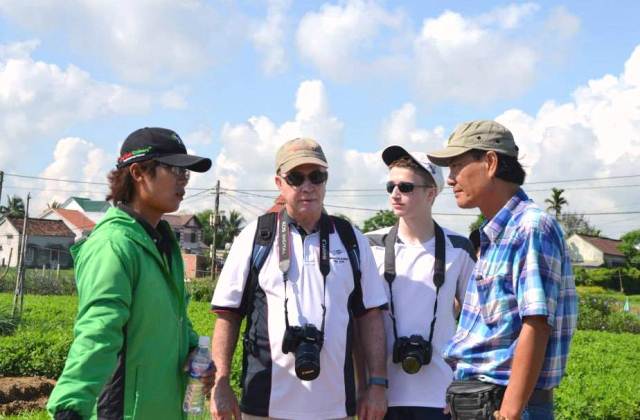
(201, 290)
(35, 283)
(603, 313)
(7, 323)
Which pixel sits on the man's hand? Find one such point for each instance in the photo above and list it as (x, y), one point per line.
(224, 404)
(372, 405)
(208, 377)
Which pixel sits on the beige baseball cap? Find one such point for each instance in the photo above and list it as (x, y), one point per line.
(298, 152)
(482, 135)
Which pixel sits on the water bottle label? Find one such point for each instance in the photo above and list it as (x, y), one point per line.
(198, 368)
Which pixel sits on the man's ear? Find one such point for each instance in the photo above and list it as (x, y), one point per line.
(491, 159)
(278, 182)
(136, 172)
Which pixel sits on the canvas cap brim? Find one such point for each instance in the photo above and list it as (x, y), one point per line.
(190, 162)
(443, 156)
(302, 160)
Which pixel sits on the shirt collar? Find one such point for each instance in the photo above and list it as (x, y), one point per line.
(151, 231)
(299, 228)
(494, 227)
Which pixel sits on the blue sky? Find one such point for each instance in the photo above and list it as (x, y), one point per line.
(236, 79)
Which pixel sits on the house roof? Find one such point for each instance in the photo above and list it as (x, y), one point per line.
(88, 205)
(180, 220)
(606, 245)
(76, 218)
(42, 227)
(278, 204)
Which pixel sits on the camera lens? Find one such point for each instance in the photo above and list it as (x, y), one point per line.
(308, 361)
(411, 364)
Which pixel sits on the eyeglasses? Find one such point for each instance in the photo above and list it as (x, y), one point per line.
(404, 187)
(295, 179)
(180, 173)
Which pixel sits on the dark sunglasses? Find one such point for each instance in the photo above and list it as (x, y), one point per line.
(295, 179)
(180, 173)
(404, 187)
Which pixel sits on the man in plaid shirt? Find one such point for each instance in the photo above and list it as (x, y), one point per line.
(520, 308)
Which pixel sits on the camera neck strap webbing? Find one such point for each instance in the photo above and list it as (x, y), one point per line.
(284, 258)
(390, 271)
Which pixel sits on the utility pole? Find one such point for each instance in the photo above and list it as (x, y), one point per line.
(1, 182)
(18, 297)
(213, 220)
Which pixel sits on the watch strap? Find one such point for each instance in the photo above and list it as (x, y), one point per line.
(378, 380)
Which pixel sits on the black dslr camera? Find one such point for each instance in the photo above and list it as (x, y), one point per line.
(306, 342)
(413, 352)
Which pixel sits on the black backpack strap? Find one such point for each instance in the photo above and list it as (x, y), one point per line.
(348, 238)
(350, 242)
(262, 243)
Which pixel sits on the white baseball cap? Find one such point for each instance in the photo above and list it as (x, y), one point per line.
(393, 153)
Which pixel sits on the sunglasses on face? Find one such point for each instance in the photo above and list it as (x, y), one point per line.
(403, 187)
(180, 173)
(295, 179)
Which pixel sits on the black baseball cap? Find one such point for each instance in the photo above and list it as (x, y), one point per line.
(162, 145)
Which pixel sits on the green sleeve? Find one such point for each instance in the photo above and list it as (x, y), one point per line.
(104, 284)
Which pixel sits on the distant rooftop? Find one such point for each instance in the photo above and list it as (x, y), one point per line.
(76, 218)
(41, 227)
(179, 220)
(606, 245)
(88, 205)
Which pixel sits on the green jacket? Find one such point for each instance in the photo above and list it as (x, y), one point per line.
(132, 334)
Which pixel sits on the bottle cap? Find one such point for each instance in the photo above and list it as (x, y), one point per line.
(204, 341)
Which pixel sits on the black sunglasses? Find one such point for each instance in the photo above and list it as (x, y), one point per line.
(295, 179)
(404, 187)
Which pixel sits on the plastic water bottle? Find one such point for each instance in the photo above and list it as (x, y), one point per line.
(194, 395)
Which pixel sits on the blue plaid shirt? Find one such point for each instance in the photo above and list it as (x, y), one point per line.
(524, 270)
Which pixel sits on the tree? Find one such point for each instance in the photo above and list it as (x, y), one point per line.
(477, 223)
(556, 201)
(14, 207)
(382, 218)
(577, 223)
(54, 205)
(630, 247)
(228, 227)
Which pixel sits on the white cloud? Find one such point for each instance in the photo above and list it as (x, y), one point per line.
(73, 159)
(337, 37)
(462, 60)
(269, 37)
(467, 59)
(39, 99)
(597, 134)
(142, 40)
(400, 128)
(174, 98)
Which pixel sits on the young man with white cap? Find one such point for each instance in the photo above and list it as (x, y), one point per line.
(426, 269)
(302, 279)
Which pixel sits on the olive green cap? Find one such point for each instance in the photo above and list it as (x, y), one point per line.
(482, 135)
(298, 152)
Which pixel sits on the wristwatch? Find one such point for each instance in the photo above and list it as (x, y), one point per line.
(378, 380)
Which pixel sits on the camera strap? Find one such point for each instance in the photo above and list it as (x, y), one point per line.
(284, 258)
(390, 271)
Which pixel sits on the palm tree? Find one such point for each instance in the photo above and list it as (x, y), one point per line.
(14, 207)
(556, 201)
(54, 205)
(229, 228)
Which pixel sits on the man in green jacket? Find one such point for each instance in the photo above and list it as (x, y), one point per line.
(132, 337)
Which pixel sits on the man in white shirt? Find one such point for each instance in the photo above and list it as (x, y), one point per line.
(300, 306)
(421, 317)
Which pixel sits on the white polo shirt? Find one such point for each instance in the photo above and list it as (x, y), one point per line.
(413, 298)
(270, 385)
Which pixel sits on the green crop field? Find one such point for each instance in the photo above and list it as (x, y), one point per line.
(601, 381)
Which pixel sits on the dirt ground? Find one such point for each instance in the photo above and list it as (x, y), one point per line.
(24, 394)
